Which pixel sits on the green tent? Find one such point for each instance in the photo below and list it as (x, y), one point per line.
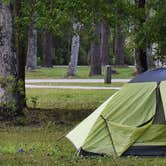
(131, 122)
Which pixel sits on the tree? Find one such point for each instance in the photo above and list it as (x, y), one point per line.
(31, 62)
(20, 33)
(149, 55)
(99, 53)
(12, 64)
(52, 17)
(47, 49)
(72, 68)
(154, 30)
(140, 50)
(104, 50)
(119, 45)
(95, 56)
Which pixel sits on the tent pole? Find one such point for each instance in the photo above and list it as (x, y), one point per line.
(109, 131)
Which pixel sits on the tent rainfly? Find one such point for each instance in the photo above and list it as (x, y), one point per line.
(131, 122)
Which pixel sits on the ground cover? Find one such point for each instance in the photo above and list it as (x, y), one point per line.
(38, 139)
(46, 146)
(67, 99)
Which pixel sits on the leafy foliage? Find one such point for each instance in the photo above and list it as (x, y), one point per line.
(155, 27)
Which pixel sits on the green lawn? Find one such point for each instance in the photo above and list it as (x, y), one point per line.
(114, 84)
(67, 99)
(83, 72)
(38, 146)
(33, 141)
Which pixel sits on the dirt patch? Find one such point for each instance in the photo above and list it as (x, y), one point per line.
(57, 116)
(38, 117)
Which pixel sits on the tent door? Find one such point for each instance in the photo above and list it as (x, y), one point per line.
(159, 116)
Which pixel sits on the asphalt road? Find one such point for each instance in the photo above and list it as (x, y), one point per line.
(29, 85)
(73, 80)
(71, 87)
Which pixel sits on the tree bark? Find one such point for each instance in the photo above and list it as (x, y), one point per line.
(141, 60)
(20, 33)
(105, 35)
(72, 68)
(75, 46)
(119, 45)
(47, 49)
(8, 65)
(31, 62)
(95, 56)
(150, 61)
(140, 51)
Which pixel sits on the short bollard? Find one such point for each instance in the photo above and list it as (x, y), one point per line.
(108, 72)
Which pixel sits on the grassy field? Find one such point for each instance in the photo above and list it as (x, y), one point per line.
(35, 139)
(83, 72)
(38, 146)
(114, 84)
(67, 99)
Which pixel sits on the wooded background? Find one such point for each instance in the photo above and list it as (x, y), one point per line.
(70, 32)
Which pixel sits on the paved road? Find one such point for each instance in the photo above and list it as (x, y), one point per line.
(73, 80)
(71, 87)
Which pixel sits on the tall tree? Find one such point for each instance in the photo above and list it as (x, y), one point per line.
(154, 32)
(31, 61)
(72, 68)
(47, 49)
(105, 35)
(140, 50)
(12, 64)
(7, 56)
(20, 32)
(119, 45)
(150, 61)
(95, 56)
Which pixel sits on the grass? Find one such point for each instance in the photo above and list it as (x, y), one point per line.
(32, 146)
(114, 84)
(55, 112)
(67, 99)
(38, 143)
(83, 72)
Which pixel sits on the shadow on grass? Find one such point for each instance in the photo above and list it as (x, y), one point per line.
(38, 117)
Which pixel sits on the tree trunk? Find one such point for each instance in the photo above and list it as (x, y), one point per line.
(31, 62)
(8, 65)
(95, 63)
(105, 34)
(21, 42)
(75, 46)
(47, 49)
(141, 60)
(140, 51)
(72, 68)
(119, 45)
(150, 61)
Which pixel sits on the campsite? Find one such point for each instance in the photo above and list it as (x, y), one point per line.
(82, 83)
(39, 139)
